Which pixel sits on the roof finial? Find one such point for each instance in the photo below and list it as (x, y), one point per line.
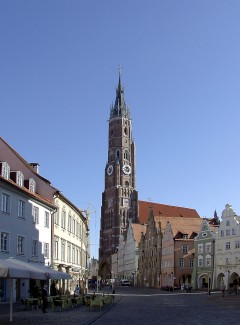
(120, 76)
(120, 70)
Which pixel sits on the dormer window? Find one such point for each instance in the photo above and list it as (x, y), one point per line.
(185, 236)
(5, 170)
(19, 178)
(32, 185)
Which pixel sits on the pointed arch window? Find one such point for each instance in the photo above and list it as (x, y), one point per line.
(126, 155)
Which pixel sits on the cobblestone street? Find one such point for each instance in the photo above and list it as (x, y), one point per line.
(140, 306)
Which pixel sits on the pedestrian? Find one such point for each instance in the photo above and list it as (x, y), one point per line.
(223, 288)
(44, 299)
(113, 294)
(53, 290)
(182, 287)
(35, 291)
(77, 291)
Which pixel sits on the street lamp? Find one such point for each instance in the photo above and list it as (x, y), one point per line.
(112, 279)
(209, 277)
(86, 281)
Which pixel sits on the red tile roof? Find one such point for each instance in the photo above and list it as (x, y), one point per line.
(28, 192)
(137, 231)
(164, 210)
(181, 225)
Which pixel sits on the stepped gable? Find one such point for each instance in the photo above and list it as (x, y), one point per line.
(164, 210)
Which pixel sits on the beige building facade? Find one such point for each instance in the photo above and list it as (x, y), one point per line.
(69, 242)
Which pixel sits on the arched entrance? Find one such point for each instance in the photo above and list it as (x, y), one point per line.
(220, 280)
(203, 281)
(185, 279)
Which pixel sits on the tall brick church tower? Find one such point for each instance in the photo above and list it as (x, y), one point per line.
(120, 197)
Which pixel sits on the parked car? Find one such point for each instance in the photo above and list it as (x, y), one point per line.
(125, 283)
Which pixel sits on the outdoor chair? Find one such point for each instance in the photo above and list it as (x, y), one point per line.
(96, 303)
(34, 304)
(87, 301)
(23, 304)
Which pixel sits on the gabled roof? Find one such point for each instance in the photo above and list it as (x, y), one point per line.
(59, 195)
(24, 190)
(26, 164)
(163, 210)
(137, 231)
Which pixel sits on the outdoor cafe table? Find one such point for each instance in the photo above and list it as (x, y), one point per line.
(31, 302)
(62, 303)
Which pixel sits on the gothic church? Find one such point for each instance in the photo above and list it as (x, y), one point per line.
(120, 197)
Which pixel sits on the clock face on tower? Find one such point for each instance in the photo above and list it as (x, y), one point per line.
(110, 170)
(126, 169)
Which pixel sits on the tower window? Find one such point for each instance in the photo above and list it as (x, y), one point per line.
(126, 154)
(125, 131)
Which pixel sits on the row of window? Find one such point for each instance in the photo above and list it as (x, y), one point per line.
(228, 261)
(17, 177)
(181, 263)
(69, 253)
(167, 264)
(6, 208)
(228, 244)
(21, 245)
(74, 227)
(167, 251)
(228, 232)
(118, 154)
(207, 262)
(207, 248)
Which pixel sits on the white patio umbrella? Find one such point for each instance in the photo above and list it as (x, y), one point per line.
(52, 274)
(13, 269)
(38, 270)
(34, 273)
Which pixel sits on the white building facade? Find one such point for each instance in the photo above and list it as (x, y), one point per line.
(227, 249)
(70, 238)
(25, 226)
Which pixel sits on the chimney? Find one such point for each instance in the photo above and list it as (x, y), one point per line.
(35, 166)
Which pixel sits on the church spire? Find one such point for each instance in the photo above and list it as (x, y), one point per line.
(119, 78)
(119, 109)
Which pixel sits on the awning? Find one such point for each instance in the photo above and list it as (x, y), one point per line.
(52, 274)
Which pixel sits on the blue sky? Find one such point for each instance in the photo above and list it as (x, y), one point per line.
(181, 72)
